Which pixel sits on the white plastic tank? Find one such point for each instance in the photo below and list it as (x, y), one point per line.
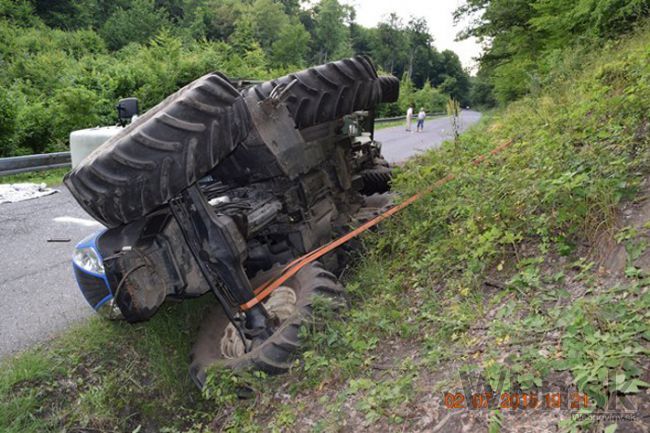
(84, 141)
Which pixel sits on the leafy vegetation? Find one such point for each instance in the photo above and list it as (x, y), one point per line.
(65, 64)
(493, 274)
(528, 39)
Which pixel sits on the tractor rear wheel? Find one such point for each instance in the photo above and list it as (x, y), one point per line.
(292, 305)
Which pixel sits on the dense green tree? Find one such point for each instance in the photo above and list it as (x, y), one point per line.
(391, 45)
(419, 41)
(243, 38)
(7, 122)
(175, 9)
(139, 23)
(406, 93)
(361, 38)
(291, 7)
(213, 19)
(562, 22)
(525, 35)
(101, 10)
(453, 80)
(268, 20)
(424, 61)
(331, 36)
(58, 13)
(481, 93)
(75, 106)
(429, 98)
(19, 12)
(34, 131)
(291, 47)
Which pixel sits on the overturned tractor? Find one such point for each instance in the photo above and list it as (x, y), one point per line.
(216, 188)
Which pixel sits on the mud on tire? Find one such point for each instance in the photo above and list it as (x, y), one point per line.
(274, 355)
(163, 152)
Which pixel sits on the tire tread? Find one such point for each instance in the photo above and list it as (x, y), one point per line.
(163, 152)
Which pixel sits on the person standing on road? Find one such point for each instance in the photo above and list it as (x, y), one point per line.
(409, 118)
(421, 116)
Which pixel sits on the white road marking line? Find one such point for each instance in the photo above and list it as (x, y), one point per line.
(80, 221)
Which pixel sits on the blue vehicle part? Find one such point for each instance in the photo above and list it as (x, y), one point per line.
(94, 286)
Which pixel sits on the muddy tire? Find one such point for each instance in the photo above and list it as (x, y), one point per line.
(376, 180)
(328, 92)
(163, 152)
(276, 354)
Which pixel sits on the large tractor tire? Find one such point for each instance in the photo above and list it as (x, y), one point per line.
(184, 137)
(163, 152)
(376, 180)
(327, 92)
(219, 344)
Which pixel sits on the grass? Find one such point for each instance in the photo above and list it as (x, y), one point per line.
(492, 275)
(48, 177)
(392, 124)
(103, 375)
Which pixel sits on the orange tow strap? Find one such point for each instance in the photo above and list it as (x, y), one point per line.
(292, 268)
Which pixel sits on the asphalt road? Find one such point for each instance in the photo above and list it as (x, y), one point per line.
(38, 294)
(399, 145)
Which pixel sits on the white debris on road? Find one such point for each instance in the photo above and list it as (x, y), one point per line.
(79, 221)
(13, 192)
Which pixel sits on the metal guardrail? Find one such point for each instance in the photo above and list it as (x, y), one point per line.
(47, 161)
(395, 119)
(38, 162)
(390, 119)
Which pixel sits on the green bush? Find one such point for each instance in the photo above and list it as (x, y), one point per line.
(55, 82)
(139, 23)
(291, 46)
(7, 122)
(20, 12)
(428, 97)
(34, 131)
(432, 100)
(74, 106)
